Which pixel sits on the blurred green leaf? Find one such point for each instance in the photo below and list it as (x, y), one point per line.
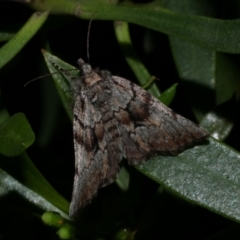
(196, 68)
(123, 179)
(66, 232)
(124, 40)
(16, 135)
(201, 71)
(168, 95)
(9, 184)
(227, 77)
(13, 46)
(218, 125)
(53, 219)
(206, 32)
(122, 234)
(24, 171)
(5, 36)
(34, 180)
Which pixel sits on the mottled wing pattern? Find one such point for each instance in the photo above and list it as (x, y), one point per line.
(152, 126)
(95, 154)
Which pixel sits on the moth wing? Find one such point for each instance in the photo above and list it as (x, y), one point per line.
(94, 167)
(152, 126)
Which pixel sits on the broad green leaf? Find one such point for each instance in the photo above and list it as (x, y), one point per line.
(9, 184)
(227, 77)
(206, 32)
(196, 69)
(207, 175)
(202, 72)
(16, 135)
(13, 46)
(195, 65)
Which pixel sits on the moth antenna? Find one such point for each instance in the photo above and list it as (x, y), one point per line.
(88, 36)
(43, 76)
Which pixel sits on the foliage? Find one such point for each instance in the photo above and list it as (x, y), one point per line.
(193, 43)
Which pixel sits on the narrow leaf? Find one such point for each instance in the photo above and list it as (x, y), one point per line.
(34, 180)
(9, 184)
(62, 81)
(124, 40)
(206, 32)
(13, 46)
(168, 95)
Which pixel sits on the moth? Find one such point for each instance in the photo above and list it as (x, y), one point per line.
(115, 119)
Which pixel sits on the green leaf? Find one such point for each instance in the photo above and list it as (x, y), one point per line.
(207, 175)
(4, 115)
(196, 68)
(124, 40)
(34, 180)
(204, 71)
(217, 124)
(13, 46)
(62, 81)
(227, 77)
(168, 95)
(66, 232)
(123, 179)
(9, 184)
(210, 33)
(5, 36)
(122, 234)
(53, 219)
(16, 135)
(23, 170)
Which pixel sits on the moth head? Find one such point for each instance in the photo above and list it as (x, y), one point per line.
(84, 67)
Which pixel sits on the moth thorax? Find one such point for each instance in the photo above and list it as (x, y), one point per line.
(91, 78)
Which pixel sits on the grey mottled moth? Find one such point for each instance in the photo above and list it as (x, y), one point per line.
(115, 119)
